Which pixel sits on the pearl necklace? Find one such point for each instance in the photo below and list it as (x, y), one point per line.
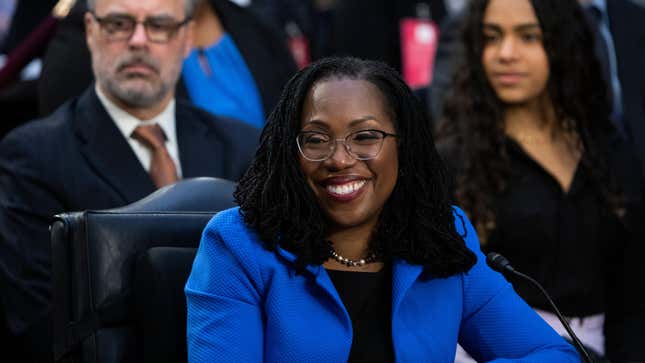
(352, 263)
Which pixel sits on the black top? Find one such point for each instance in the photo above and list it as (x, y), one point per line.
(587, 259)
(569, 241)
(367, 296)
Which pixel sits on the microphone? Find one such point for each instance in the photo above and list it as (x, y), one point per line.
(499, 263)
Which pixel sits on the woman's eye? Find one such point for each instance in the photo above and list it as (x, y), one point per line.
(490, 38)
(531, 37)
(315, 140)
(366, 136)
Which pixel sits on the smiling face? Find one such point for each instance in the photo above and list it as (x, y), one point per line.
(350, 192)
(136, 72)
(514, 59)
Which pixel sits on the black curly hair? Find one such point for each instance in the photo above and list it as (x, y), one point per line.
(473, 115)
(417, 222)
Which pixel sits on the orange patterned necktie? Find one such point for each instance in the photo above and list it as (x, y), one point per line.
(162, 168)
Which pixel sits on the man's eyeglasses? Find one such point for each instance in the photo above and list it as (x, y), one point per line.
(361, 145)
(121, 27)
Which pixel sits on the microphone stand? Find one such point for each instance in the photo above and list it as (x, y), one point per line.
(499, 263)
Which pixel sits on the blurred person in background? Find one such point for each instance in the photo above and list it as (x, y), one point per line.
(618, 37)
(542, 171)
(237, 68)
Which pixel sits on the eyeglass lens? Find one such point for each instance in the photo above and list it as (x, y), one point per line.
(361, 145)
(121, 27)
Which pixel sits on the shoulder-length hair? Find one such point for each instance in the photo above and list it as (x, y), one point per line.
(416, 223)
(473, 118)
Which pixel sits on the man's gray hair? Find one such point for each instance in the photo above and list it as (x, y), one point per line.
(189, 6)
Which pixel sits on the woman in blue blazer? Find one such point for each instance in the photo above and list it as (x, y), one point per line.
(345, 246)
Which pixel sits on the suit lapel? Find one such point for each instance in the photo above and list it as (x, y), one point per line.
(107, 151)
(181, 92)
(200, 153)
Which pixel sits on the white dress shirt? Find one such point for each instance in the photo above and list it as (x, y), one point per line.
(126, 123)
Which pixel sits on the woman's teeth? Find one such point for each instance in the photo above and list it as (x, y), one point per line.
(346, 188)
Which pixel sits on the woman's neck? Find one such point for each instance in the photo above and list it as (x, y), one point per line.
(352, 243)
(208, 27)
(530, 119)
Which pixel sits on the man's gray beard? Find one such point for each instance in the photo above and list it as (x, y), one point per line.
(135, 97)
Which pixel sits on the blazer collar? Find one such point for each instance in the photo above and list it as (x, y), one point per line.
(107, 151)
(403, 277)
(291, 258)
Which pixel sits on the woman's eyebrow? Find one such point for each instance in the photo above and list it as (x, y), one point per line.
(316, 122)
(493, 27)
(362, 119)
(351, 123)
(520, 27)
(527, 26)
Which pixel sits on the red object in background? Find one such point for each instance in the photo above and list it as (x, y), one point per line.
(419, 38)
(298, 45)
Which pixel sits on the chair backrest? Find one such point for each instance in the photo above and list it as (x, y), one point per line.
(160, 303)
(93, 263)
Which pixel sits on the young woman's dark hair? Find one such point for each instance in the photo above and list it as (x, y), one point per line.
(473, 115)
(416, 224)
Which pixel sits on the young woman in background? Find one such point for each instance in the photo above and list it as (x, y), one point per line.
(541, 170)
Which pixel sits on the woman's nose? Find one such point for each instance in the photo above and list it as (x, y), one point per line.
(508, 49)
(340, 157)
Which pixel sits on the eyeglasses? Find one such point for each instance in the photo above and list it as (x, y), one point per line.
(361, 145)
(121, 27)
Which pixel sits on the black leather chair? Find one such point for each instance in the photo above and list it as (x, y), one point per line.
(94, 254)
(160, 303)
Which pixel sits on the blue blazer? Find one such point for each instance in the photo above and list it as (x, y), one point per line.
(247, 304)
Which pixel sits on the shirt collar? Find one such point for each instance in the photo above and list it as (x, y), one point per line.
(126, 123)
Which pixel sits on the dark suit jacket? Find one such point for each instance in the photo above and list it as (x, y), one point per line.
(77, 159)
(626, 21)
(67, 68)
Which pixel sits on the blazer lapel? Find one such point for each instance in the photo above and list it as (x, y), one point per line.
(322, 279)
(107, 151)
(200, 153)
(403, 276)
